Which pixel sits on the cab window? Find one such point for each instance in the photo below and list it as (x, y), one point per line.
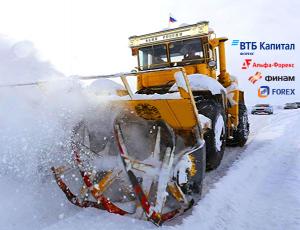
(153, 57)
(186, 50)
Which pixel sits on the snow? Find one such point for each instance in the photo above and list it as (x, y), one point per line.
(260, 190)
(219, 128)
(157, 96)
(205, 121)
(104, 87)
(23, 55)
(180, 82)
(202, 82)
(105, 99)
(181, 168)
(255, 187)
(164, 177)
(36, 123)
(230, 89)
(106, 90)
(34, 120)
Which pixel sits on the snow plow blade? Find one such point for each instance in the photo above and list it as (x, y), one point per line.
(149, 165)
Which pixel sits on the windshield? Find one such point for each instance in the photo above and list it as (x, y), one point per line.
(153, 57)
(186, 50)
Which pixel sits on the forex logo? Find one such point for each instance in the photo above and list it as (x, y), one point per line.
(263, 91)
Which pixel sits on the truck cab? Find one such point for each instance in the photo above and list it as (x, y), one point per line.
(194, 47)
(197, 49)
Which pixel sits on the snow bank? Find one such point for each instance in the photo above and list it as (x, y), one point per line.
(104, 87)
(202, 82)
(106, 90)
(180, 81)
(157, 96)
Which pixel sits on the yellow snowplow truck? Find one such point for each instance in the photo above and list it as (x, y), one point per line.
(147, 153)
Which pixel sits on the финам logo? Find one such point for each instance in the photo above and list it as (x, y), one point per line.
(263, 91)
(246, 63)
(253, 79)
(277, 78)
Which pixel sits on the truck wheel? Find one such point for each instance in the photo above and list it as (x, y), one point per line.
(240, 136)
(215, 138)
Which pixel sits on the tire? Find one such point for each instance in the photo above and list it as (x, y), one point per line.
(215, 138)
(240, 136)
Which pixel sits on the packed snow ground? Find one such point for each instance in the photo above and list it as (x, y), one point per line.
(255, 187)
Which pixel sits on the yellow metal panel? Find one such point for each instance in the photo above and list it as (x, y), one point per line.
(190, 69)
(184, 112)
(178, 113)
(203, 69)
(155, 78)
(224, 77)
(151, 79)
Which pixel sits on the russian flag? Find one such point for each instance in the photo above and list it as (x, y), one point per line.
(172, 19)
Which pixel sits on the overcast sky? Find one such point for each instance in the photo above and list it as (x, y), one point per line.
(91, 36)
